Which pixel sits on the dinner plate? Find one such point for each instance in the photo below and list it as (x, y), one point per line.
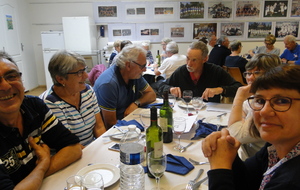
(223, 120)
(110, 173)
(182, 104)
(124, 128)
(182, 187)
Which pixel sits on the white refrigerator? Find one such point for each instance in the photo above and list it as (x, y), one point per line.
(52, 41)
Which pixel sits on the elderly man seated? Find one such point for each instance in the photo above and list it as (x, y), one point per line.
(206, 80)
(121, 89)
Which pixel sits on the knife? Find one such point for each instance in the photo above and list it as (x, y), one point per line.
(197, 184)
(113, 135)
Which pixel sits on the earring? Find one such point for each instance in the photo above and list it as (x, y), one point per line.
(63, 85)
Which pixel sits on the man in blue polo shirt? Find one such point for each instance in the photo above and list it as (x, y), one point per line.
(291, 55)
(28, 130)
(121, 89)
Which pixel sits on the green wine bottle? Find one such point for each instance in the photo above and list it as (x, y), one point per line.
(158, 59)
(166, 119)
(154, 136)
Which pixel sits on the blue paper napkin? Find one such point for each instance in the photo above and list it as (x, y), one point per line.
(178, 164)
(131, 122)
(158, 105)
(205, 129)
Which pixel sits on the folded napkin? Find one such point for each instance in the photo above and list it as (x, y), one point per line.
(158, 105)
(178, 165)
(205, 129)
(131, 122)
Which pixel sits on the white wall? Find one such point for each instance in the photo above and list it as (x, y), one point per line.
(47, 15)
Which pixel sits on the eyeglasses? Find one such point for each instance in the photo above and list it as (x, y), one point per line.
(141, 66)
(80, 72)
(12, 76)
(280, 104)
(268, 43)
(255, 74)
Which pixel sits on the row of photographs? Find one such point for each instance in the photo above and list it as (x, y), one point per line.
(194, 10)
(186, 32)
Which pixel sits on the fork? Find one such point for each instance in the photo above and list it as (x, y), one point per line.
(194, 162)
(192, 182)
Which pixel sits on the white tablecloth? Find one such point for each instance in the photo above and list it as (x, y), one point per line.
(97, 152)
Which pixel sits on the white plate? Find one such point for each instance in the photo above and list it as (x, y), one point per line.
(223, 120)
(124, 128)
(182, 187)
(110, 173)
(182, 104)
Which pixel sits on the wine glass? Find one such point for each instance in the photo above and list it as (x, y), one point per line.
(197, 103)
(178, 128)
(187, 96)
(157, 166)
(172, 100)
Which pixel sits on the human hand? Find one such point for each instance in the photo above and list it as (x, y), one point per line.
(130, 109)
(176, 91)
(211, 92)
(243, 92)
(284, 60)
(42, 152)
(225, 152)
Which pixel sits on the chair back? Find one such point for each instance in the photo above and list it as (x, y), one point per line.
(235, 72)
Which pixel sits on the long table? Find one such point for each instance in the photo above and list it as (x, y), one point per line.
(97, 152)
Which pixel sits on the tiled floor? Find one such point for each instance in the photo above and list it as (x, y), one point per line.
(37, 91)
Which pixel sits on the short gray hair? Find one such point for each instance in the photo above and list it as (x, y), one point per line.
(63, 62)
(200, 46)
(172, 47)
(129, 53)
(221, 39)
(263, 61)
(166, 40)
(235, 45)
(290, 38)
(4, 55)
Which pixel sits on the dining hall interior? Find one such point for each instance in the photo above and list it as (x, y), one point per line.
(89, 27)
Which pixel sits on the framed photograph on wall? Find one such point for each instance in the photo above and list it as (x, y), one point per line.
(235, 30)
(247, 9)
(259, 29)
(275, 8)
(106, 12)
(179, 32)
(220, 10)
(136, 11)
(295, 8)
(121, 32)
(163, 11)
(285, 28)
(191, 10)
(204, 30)
(150, 31)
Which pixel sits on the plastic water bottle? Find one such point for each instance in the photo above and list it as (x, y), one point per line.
(131, 157)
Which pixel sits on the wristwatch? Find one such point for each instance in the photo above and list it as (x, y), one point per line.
(137, 102)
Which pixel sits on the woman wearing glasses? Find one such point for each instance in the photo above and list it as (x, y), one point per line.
(268, 48)
(71, 100)
(276, 107)
(241, 114)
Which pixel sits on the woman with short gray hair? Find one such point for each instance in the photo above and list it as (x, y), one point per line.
(268, 48)
(71, 100)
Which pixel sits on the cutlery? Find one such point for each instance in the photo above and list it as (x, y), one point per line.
(219, 116)
(192, 182)
(185, 147)
(197, 184)
(194, 162)
(115, 134)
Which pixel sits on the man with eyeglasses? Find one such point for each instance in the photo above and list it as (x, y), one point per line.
(291, 55)
(28, 130)
(121, 89)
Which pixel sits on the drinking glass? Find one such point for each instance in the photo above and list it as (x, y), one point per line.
(74, 182)
(187, 96)
(93, 181)
(172, 100)
(157, 167)
(178, 128)
(197, 103)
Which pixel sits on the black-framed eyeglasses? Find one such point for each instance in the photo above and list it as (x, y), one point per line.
(80, 72)
(255, 74)
(280, 104)
(141, 66)
(12, 76)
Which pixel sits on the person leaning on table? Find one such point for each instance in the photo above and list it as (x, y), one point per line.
(121, 89)
(268, 48)
(241, 114)
(71, 100)
(206, 80)
(28, 130)
(291, 55)
(276, 107)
